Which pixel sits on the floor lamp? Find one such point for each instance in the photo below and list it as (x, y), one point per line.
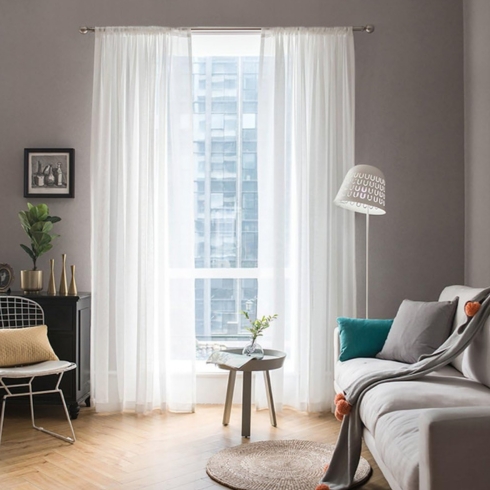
(363, 191)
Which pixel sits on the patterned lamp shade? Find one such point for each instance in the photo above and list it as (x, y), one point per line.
(363, 190)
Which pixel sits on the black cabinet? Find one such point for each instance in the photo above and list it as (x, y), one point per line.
(68, 321)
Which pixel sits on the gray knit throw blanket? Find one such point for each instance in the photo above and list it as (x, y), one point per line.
(345, 458)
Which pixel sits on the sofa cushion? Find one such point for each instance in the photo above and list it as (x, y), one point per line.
(419, 329)
(474, 362)
(436, 390)
(347, 372)
(397, 443)
(446, 387)
(361, 337)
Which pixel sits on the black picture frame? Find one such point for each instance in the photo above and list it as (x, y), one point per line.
(6, 277)
(49, 172)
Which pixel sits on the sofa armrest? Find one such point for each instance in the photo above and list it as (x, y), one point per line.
(454, 448)
(336, 354)
(336, 344)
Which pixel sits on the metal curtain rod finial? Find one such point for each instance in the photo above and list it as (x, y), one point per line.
(369, 28)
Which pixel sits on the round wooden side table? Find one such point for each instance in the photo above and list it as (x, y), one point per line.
(273, 359)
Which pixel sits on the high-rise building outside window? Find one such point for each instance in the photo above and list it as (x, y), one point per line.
(225, 90)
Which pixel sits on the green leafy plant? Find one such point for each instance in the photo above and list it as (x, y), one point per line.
(38, 224)
(258, 325)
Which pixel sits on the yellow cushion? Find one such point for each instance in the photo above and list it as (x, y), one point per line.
(25, 346)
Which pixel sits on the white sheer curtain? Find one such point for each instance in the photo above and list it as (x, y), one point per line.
(142, 221)
(306, 243)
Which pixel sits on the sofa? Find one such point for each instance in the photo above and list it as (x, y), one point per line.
(432, 433)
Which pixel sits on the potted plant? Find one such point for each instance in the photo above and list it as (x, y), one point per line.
(38, 225)
(256, 328)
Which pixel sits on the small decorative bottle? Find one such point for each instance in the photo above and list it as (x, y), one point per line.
(63, 285)
(72, 291)
(48, 175)
(52, 284)
(39, 176)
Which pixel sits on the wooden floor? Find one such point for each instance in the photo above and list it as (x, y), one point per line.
(159, 451)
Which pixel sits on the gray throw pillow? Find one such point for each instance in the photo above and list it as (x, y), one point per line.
(418, 329)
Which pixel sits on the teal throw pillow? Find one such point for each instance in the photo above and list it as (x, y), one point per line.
(361, 337)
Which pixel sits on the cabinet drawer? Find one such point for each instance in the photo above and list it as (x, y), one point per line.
(59, 318)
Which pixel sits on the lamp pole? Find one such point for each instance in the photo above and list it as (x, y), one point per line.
(367, 263)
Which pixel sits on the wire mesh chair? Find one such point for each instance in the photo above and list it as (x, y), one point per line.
(19, 312)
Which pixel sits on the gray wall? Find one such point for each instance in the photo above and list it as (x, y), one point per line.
(477, 141)
(409, 120)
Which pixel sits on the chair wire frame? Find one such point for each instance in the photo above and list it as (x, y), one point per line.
(19, 312)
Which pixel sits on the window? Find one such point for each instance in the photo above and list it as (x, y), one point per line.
(225, 85)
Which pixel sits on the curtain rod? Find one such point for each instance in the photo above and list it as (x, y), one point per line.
(369, 28)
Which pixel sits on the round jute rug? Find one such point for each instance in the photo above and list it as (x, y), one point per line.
(276, 465)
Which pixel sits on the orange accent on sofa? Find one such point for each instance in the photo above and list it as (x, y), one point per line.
(471, 308)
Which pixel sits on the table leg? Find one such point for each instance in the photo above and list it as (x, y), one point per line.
(246, 403)
(229, 397)
(270, 400)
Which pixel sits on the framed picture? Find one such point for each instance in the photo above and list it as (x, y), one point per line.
(6, 277)
(49, 172)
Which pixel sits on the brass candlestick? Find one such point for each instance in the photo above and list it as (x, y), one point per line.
(72, 291)
(63, 285)
(51, 284)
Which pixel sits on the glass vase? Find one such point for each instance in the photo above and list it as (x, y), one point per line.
(253, 349)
